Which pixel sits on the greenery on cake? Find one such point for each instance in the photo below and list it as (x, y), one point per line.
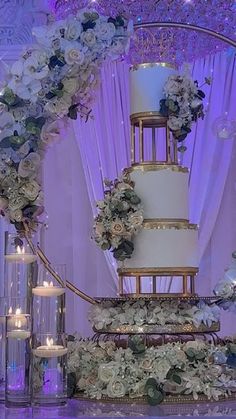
(55, 78)
(182, 104)
(193, 368)
(120, 217)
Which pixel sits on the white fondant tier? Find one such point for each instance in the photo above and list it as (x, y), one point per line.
(164, 192)
(164, 247)
(146, 86)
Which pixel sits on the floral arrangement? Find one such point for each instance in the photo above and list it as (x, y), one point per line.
(100, 369)
(225, 289)
(120, 217)
(53, 79)
(182, 105)
(141, 312)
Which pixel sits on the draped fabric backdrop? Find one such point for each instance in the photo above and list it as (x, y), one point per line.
(98, 149)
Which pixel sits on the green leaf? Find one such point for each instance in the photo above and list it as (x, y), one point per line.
(154, 396)
(72, 112)
(151, 382)
(176, 378)
(200, 355)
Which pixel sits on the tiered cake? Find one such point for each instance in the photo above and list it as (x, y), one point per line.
(151, 343)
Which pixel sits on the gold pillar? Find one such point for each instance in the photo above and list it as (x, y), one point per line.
(185, 284)
(138, 285)
(168, 156)
(154, 284)
(141, 157)
(132, 143)
(121, 285)
(192, 284)
(154, 157)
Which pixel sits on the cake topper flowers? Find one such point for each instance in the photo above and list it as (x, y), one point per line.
(120, 217)
(182, 105)
(53, 79)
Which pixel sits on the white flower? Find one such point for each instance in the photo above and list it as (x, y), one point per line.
(73, 30)
(71, 85)
(16, 215)
(225, 289)
(30, 190)
(146, 364)
(105, 31)
(34, 69)
(107, 372)
(175, 123)
(59, 106)
(50, 132)
(29, 166)
(17, 203)
(161, 369)
(27, 88)
(24, 150)
(116, 48)
(117, 227)
(6, 120)
(116, 388)
(136, 219)
(74, 55)
(88, 38)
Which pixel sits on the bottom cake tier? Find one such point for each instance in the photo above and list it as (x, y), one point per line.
(192, 370)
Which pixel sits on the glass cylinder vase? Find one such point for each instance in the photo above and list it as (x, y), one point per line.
(18, 354)
(2, 357)
(20, 271)
(49, 370)
(49, 301)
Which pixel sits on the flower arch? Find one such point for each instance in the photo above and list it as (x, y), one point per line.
(54, 79)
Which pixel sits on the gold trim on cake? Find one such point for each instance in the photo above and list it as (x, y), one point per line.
(135, 67)
(159, 329)
(150, 166)
(163, 224)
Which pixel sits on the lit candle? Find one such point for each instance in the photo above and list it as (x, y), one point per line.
(15, 318)
(48, 290)
(49, 350)
(21, 256)
(18, 333)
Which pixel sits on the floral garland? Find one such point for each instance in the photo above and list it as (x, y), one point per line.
(120, 217)
(182, 105)
(53, 79)
(142, 312)
(100, 369)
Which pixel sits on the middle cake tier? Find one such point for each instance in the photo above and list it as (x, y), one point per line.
(164, 244)
(163, 189)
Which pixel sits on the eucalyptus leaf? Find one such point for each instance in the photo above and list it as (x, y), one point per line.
(176, 378)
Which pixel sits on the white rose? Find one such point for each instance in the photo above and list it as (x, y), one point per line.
(161, 369)
(33, 69)
(117, 228)
(29, 166)
(105, 31)
(175, 123)
(73, 30)
(39, 200)
(74, 56)
(59, 106)
(30, 190)
(24, 150)
(16, 203)
(6, 120)
(70, 85)
(117, 47)
(146, 364)
(225, 289)
(50, 132)
(88, 37)
(107, 372)
(99, 228)
(16, 215)
(116, 388)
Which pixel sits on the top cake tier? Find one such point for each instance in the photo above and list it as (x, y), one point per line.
(146, 86)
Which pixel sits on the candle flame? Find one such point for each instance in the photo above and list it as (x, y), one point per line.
(10, 310)
(49, 342)
(18, 324)
(20, 251)
(47, 285)
(18, 311)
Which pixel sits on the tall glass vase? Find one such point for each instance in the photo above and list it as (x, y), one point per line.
(18, 354)
(2, 357)
(49, 370)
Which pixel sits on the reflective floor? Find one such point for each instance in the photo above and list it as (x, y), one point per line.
(81, 409)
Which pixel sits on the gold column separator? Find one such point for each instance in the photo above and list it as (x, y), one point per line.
(140, 140)
(154, 284)
(132, 143)
(192, 284)
(175, 150)
(168, 156)
(121, 285)
(185, 284)
(138, 285)
(154, 157)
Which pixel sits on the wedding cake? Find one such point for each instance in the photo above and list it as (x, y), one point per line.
(150, 344)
